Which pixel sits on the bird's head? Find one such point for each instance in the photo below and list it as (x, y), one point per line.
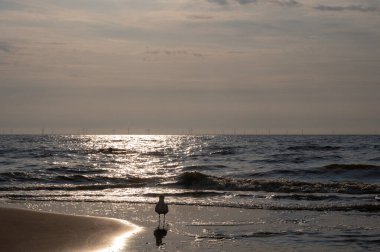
(162, 197)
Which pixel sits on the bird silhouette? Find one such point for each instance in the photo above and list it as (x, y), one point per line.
(160, 233)
(161, 208)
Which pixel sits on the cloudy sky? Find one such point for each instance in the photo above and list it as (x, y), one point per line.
(172, 65)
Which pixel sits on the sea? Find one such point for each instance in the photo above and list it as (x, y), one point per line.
(338, 174)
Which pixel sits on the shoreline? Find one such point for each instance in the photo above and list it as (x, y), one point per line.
(203, 228)
(28, 230)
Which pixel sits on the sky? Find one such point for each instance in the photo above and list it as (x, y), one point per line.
(212, 66)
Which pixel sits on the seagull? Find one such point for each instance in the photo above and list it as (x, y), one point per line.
(161, 208)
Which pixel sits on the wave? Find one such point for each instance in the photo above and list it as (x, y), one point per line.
(106, 180)
(197, 180)
(77, 170)
(308, 197)
(351, 167)
(19, 176)
(7, 162)
(114, 151)
(203, 167)
(332, 171)
(296, 158)
(366, 207)
(68, 187)
(51, 181)
(216, 150)
(200, 181)
(313, 147)
(348, 207)
(118, 151)
(194, 194)
(154, 153)
(224, 152)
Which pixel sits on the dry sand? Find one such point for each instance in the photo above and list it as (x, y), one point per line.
(25, 230)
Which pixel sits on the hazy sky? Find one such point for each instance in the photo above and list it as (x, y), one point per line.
(209, 65)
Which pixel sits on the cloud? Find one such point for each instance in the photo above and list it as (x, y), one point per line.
(361, 8)
(246, 1)
(226, 2)
(5, 47)
(173, 52)
(199, 17)
(239, 55)
(286, 3)
(221, 2)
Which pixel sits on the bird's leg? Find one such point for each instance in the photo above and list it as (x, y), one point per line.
(164, 220)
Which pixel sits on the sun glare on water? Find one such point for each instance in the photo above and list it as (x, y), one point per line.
(120, 242)
(140, 156)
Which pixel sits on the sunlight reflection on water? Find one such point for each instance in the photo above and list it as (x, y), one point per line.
(141, 156)
(120, 242)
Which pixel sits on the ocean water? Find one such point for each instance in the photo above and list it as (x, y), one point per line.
(289, 175)
(272, 172)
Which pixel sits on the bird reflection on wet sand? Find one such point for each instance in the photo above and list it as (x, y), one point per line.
(160, 233)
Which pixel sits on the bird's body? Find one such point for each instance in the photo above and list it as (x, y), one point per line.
(161, 208)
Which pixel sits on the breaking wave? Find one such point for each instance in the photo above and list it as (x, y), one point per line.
(71, 182)
(191, 180)
(333, 172)
(197, 180)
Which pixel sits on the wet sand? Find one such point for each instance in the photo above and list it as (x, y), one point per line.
(204, 228)
(25, 230)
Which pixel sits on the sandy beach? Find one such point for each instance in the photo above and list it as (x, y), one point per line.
(187, 228)
(25, 230)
